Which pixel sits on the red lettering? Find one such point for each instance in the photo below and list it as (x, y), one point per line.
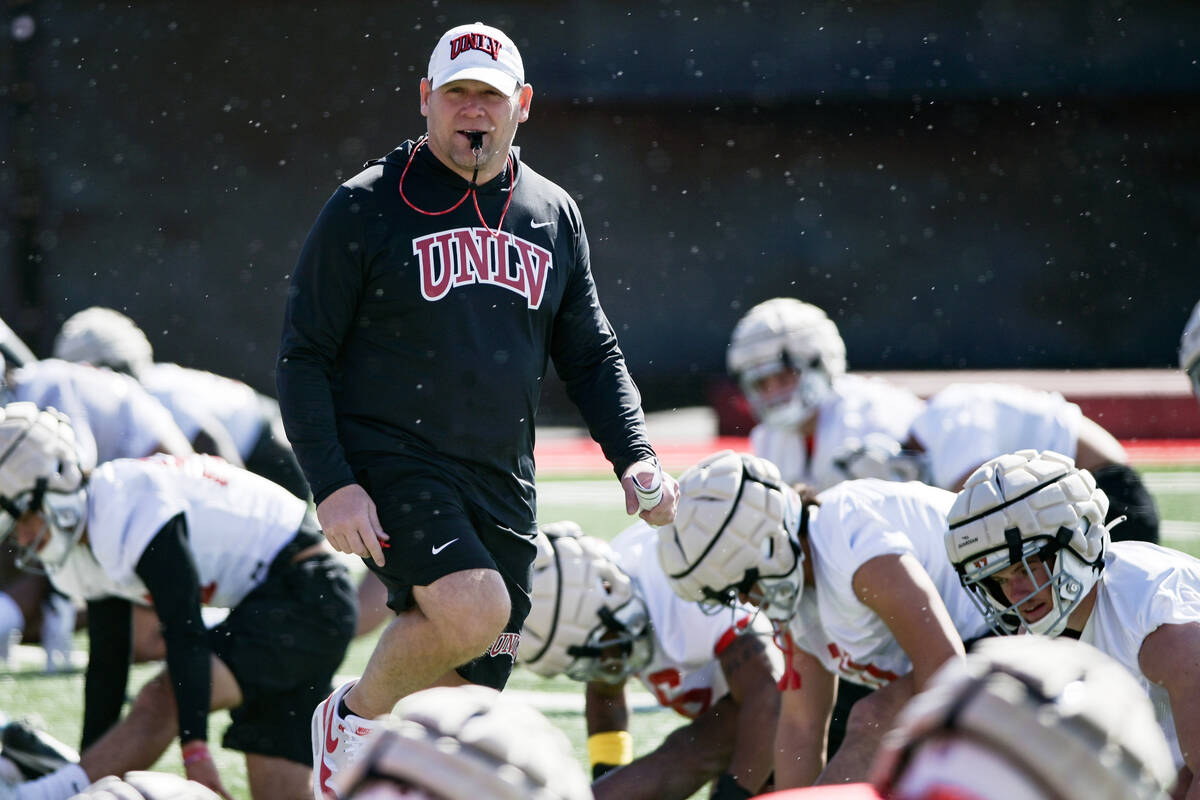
(472, 249)
(474, 41)
(790, 680)
(465, 256)
(435, 272)
(866, 674)
(505, 645)
(536, 262)
(690, 704)
(504, 275)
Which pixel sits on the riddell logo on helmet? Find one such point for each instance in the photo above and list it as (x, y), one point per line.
(474, 41)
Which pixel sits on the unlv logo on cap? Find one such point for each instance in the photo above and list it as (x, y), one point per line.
(474, 41)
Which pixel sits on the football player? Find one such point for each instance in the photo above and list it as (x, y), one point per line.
(113, 417)
(1027, 535)
(465, 742)
(603, 615)
(855, 579)
(176, 533)
(790, 362)
(1189, 350)
(222, 416)
(965, 424)
(1019, 719)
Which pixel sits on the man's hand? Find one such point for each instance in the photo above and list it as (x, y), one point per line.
(351, 525)
(644, 473)
(199, 767)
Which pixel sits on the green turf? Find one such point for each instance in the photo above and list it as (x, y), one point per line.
(57, 700)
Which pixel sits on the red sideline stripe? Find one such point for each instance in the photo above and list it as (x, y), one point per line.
(1168, 452)
(582, 455)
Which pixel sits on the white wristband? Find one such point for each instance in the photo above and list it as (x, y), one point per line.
(649, 496)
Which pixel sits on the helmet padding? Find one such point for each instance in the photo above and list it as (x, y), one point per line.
(786, 334)
(1020, 506)
(736, 527)
(587, 619)
(40, 471)
(103, 337)
(1059, 713)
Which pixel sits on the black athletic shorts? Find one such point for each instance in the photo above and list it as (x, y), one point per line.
(436, 531)
(283, 643)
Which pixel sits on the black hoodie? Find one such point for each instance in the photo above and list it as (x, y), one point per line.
(426, 336)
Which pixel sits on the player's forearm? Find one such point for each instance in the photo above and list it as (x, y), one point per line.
(799, 755)
(753, 750)
(605, 708)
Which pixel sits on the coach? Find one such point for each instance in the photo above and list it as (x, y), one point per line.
(430, 294)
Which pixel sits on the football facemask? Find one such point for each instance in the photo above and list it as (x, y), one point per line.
(1042, 562)
(620, 645)
(61, 516)
(784, 408)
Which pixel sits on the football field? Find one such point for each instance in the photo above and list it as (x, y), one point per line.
(595, 502)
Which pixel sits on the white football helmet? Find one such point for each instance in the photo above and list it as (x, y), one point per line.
(466, 742)
(40, 471)
(145, 785)
(735, 533)
(1023, 717)
(786, 334)
(587, 619)
(1189, 349)
(1020, 506)
(104, 338)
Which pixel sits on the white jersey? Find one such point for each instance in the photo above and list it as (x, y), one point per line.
(857, 521)
(192, 393)
(1142, 587)
(237, 523)
(112, 415)
(855, 407)
(685, 672)
(966, 424)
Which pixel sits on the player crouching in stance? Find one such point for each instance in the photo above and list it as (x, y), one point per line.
(179, 532)
(1026, 718)
(602, 615)
(790, 362)
(855, 580)
(1027, 538)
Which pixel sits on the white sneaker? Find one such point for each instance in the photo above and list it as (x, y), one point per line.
(336, 741)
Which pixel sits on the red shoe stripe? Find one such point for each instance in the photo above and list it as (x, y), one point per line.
(330, 745)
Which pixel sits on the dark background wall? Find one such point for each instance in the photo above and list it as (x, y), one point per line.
(984, 184)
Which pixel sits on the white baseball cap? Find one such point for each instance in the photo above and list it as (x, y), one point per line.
(477, 52)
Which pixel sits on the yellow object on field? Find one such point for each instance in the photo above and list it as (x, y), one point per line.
(610, 747)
